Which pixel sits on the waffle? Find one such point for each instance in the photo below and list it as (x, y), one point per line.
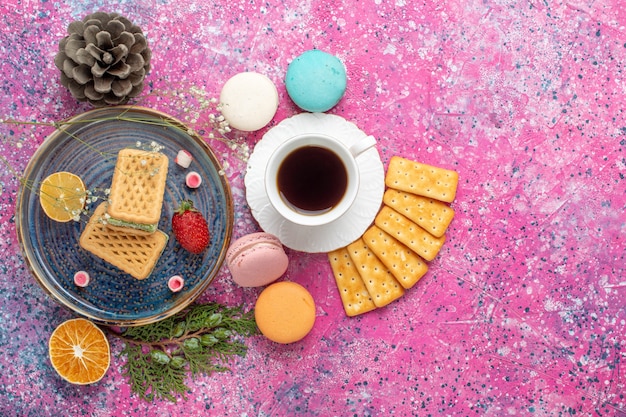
(134, 254)
(137, 189)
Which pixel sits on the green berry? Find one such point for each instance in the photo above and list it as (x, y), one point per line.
(208, 340)
(177, 362)
(179, 329)
(192, 343)
(160, 357)
(214, 320)
(222, 334)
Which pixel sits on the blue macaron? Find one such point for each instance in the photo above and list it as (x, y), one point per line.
(316, 81)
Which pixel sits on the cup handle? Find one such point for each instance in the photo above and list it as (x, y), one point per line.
(362, 145)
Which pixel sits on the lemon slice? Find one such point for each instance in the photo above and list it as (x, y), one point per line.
(62, 196)
(79, 351)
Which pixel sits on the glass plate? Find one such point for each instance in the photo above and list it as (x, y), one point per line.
(87, 146)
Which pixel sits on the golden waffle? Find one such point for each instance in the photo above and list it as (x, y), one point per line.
(134, 254)
(137, 187)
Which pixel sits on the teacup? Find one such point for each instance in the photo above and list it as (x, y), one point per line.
(313, 179)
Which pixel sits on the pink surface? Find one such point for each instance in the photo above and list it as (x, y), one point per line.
(523, 311)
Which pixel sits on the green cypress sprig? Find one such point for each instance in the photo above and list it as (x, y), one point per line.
(199, 340)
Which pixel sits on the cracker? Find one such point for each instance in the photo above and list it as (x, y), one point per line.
(416, 238)
(380, 283)
(417, 178)
(138, 186)
(134, 254)
(354, 296)
(432, 215)
(401, 261)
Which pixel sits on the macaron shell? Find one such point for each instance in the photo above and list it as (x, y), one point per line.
(257, 259)
(316, 80)
(285, 312)
(249, 101)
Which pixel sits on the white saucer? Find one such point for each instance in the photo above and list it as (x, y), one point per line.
(342, 231)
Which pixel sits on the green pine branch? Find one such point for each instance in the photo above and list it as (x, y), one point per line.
(198, 341)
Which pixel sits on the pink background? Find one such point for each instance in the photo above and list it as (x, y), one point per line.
(523, 311)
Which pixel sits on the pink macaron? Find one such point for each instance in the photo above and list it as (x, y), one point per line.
(256, 259)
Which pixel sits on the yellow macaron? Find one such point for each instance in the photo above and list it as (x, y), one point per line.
(285, 312)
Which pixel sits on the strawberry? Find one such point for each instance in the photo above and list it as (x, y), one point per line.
(190, 228)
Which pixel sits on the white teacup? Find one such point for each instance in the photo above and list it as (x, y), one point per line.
(313, 179)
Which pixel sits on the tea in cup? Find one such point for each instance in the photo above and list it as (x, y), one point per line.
(313, 179)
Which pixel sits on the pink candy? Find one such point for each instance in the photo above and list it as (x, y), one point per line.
(193, 179)
(81, 278)
(176, 283)
(183, 158)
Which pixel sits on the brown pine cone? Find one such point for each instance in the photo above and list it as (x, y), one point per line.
(104, 59)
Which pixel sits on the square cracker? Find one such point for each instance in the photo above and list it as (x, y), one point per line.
(354, 296)
(417, 178)
(380, 283)
(432, 215)
(419, 240)
(401, 261)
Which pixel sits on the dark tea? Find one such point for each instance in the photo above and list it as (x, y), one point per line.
(312, 179)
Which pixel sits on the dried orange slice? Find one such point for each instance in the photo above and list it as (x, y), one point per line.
(62, 196)
(79, 351)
